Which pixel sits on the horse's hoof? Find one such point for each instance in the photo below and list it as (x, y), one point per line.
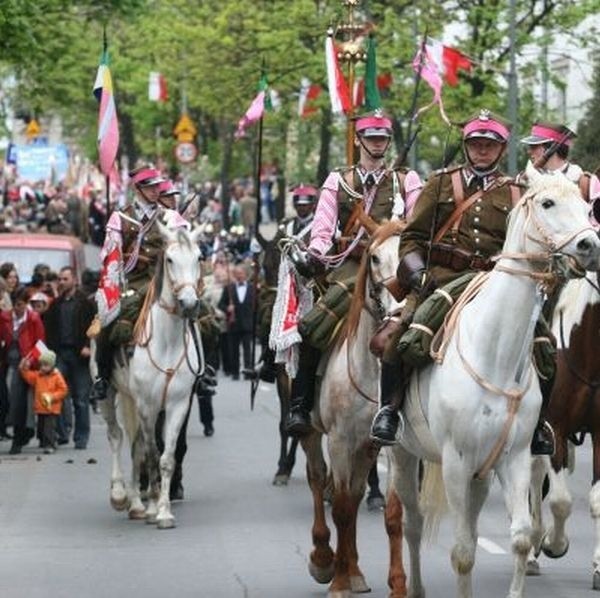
(166, 523)
(321, 574)
(281, 479)
(551, 553)
(596, 580)
(532, 568)
(375, 503)
(151, 518)
(358, 585)
(339, 594)
(119, 504)
(137, 514)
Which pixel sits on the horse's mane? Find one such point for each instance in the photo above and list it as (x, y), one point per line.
(382, 233)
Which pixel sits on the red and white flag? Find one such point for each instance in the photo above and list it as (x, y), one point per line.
(38, 350)
(448, 61)
(309, 92)
(157, 88)
(339, 94)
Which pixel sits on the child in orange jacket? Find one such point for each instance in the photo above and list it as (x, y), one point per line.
(49, 389)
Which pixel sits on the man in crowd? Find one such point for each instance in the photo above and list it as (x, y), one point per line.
(66, 322)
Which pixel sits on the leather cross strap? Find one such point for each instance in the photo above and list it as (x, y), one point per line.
(358, 215)
(462, 206)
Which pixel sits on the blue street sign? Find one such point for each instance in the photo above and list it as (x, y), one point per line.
(39, 163)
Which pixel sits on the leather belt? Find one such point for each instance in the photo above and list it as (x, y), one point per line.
(457, 259)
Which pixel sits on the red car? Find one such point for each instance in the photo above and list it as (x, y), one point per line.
(26, 250)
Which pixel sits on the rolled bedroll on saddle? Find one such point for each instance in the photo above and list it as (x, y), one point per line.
(321, 324)
(414, 345)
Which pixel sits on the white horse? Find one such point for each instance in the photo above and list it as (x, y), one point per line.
(476, 410)
(166, 361)
(347, 402)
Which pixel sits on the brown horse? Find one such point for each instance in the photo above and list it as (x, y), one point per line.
(270, 259)
(344, 409)
(574, 410)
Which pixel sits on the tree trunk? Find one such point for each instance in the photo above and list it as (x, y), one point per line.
(225, 168)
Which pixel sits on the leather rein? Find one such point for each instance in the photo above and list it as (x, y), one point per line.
(144, 329)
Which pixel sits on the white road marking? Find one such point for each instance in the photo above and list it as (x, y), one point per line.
(490, 546)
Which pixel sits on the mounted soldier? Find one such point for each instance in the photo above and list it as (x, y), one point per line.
(129, 256)
(352, 203)
(298, 227)
(458, 225)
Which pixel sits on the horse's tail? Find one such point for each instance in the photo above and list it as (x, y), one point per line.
(432, 499)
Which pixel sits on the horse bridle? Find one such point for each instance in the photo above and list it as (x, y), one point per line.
(550, 277)
(197, 287)
(376, 287)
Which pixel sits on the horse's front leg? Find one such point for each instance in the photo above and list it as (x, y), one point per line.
(515, 477)
(137, 510)
(118, 490)
(403, 499)
(457, 480)
(175, 414)
(148, 414)
(320, 565)
(287, 456)
(595, 504)
(539, 466)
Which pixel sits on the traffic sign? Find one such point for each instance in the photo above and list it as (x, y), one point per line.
(33, 129)
(186, 152)
(186, 130)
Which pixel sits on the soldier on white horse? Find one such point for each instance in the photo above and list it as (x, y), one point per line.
(459, 223)
(475, 409)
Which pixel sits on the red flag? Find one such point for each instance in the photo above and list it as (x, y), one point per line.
(453, 62)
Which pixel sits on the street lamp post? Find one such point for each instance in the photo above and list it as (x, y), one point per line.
(350, 52)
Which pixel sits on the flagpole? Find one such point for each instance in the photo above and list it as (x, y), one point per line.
(410, 137)
(255, 380)
(107, 177)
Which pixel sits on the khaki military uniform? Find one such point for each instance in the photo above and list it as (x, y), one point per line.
(469, 244)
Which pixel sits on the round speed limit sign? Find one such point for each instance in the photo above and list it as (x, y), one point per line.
(185, 152)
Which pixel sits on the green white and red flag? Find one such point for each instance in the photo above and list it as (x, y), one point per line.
(256, 110)
(108, 126)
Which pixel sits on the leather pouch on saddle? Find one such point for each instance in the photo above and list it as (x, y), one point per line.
(544, 350)
(121, 331)
(415, 343)
(321, 324)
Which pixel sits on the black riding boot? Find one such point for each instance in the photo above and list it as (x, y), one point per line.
(298, 422)
(542, 442)
(386, 420)
(104, 361)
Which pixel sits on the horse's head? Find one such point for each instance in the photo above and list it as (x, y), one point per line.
(552, 218)
(182, 270)
(376, 284)
(382, 263)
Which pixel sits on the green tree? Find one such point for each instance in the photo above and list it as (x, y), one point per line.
(587, 149)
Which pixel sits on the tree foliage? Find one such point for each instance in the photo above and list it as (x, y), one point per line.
(211, 54)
